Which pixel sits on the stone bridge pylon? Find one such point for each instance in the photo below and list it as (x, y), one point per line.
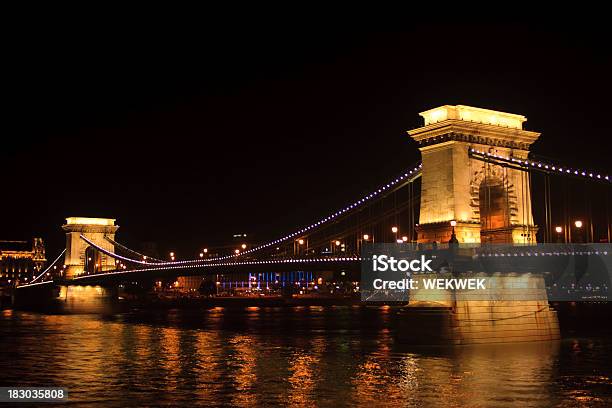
(488, 202)
(81, 257)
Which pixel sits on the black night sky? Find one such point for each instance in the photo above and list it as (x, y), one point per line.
(188, 132)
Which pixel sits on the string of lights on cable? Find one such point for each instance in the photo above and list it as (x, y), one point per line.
(138, 254)
(544, 166)
(49, 267)
(365, 199)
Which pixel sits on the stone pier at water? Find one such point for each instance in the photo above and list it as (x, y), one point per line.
(478, 202)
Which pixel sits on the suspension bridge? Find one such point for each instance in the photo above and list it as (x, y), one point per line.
(477, 182)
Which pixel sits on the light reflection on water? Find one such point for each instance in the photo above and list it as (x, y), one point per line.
(329, 356)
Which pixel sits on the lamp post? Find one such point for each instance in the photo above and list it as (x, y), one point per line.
(360, 241)
(578, 225)
(297, 246)
(395, 230)
(558, 230)
(336, 245)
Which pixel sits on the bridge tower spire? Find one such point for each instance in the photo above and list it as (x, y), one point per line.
(489, 203)
(80, 257)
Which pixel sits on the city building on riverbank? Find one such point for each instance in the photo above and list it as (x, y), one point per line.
(20, 260)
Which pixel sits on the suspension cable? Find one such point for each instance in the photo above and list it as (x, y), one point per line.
(112, 254)
(49, 267)
(201, 261)
(541, 166)
(406, 178)
(112, 241)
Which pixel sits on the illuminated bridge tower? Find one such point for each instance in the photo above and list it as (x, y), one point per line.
(489, 203)
(79, 255)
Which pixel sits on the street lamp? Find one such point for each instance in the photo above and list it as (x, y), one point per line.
(558, 230)
(405, 239)
(297, 244)
(364, 238)
(335, 246)
(243, 246)
(395, 230)
(578, 225)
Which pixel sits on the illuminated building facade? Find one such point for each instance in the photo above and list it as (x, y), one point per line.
(20, 260)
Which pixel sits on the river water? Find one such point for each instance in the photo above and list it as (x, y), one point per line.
(304, 356)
